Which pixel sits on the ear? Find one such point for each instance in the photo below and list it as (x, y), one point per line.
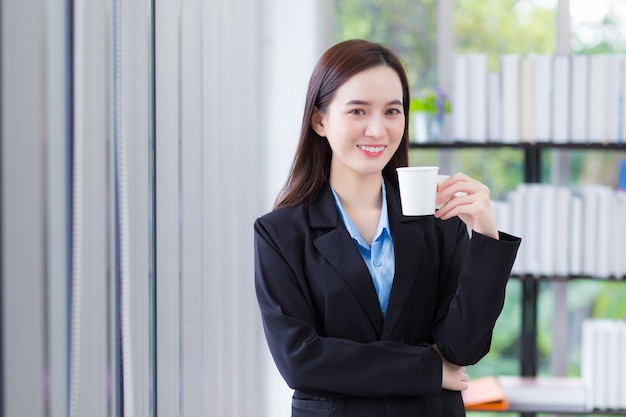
(317, 122)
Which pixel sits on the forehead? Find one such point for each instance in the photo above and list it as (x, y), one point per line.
(377, 83)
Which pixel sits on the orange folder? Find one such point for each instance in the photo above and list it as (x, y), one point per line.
(485, 394)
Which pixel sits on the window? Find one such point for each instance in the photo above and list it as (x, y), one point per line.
(497, 27)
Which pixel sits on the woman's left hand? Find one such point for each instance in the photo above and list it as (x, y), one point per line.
(462, 196)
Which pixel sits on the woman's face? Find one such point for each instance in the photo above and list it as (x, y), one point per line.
(364, 122)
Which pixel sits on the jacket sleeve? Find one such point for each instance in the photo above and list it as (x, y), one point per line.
(329, 366)
(464, 331)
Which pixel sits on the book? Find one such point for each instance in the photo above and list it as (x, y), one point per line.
(460, 98)
(579, 98)
(589, 229)
(612, 357)
(614, 97)
(542, 97)
(477, 97)
(603, 364)
(566, 231)
(616, 246)
(555, 392)
(547, 218)
(532, 227)
(562, 230)
(576, 246)
(621, 138)
(515, 199)
(494, 131)
(502, 215)
(587, 366)
(621, 366)
(510, 93)
(621, 234)
(598, 98)
(605, 221)
(560, 128)
(527, 99)
(485, 394)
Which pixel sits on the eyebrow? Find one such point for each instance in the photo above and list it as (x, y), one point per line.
(366, 103)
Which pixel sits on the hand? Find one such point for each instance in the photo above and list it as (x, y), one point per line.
(473, 208)
(453, 377)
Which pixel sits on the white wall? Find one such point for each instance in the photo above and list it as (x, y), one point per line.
(295, 34)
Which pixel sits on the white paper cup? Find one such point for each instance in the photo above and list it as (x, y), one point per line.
(418, 190)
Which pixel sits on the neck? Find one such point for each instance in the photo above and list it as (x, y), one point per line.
(358, 191)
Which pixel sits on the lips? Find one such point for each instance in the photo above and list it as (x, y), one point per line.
(371, 149)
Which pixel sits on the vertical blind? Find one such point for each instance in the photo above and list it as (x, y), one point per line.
(131, 176)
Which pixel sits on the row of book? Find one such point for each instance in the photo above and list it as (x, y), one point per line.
(539, 98)
(565, 231)
(603, 363)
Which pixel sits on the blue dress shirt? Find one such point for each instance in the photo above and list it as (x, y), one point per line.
(379, 257)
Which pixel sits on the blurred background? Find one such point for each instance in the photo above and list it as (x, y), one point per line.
(139, 141)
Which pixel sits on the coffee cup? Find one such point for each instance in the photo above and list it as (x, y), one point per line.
(418, 190)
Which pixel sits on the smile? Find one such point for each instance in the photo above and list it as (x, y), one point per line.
(371, 149)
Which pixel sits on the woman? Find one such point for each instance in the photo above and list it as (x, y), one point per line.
(368, 312)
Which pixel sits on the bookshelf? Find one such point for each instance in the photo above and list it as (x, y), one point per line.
(532, 157)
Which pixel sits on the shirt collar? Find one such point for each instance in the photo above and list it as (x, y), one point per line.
(383, 223)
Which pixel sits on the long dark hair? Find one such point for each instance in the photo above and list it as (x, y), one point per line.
(311, 165)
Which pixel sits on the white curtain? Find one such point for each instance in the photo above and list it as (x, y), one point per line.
(140, 141)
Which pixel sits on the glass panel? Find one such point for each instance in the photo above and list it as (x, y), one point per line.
(406, 26)
(596, 27)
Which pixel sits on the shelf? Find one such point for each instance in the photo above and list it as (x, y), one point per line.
(532, 154)
(563, 410)
(560, 395)
(519, 145)
(535, 409)
(562, 278)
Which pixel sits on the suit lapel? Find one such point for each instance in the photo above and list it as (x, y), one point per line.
(408, 241)
(337, 247)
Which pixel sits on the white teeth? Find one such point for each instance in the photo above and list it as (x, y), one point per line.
(372, 149)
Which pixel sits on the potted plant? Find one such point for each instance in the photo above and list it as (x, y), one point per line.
(427, 109)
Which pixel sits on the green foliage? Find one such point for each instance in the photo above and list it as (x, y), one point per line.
(409, 28)
(610, 302)
(497, 27)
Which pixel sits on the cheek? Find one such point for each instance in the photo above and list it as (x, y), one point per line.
(398, 130)
(346, 130)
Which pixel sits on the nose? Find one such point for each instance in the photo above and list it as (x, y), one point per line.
(375, 127)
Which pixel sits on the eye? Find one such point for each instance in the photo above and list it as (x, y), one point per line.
(394, 112)
(357, 112)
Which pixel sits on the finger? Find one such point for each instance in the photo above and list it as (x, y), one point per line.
(456, 190)
(464, 183)
(456, 206)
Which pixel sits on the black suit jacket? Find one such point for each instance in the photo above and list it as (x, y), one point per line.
(324, 326)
